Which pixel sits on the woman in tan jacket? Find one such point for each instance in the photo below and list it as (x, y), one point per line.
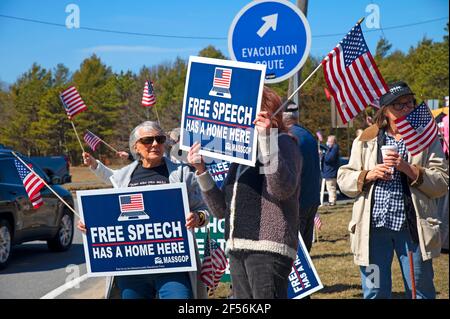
(395, 208)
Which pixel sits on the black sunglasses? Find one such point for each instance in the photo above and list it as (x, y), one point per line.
(150, 139)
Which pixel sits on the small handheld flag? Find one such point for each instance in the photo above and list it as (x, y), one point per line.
(72, 102)
(32, 184)
(418, 129)
(148, 97)
(317, 222)
(214, 264)
(92, 140)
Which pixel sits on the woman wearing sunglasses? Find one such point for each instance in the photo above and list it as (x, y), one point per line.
(151, 167)
(395, 209)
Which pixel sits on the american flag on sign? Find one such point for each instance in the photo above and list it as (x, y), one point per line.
(148, 97)
(352, 75)
(32, 184)
(131, 203)
(92, 140)
(214, 264)
(72, 102)
(222, 77)
(418, 129)
(317, 221)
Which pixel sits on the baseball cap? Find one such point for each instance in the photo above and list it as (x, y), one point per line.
(290, 106)
(396, 90)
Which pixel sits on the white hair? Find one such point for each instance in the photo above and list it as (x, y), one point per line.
(146, 126)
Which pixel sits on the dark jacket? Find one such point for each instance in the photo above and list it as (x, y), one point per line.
(310, 177)
(331, 162)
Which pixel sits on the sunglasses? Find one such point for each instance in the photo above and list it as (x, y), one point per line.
(400, 106)
(150, 139)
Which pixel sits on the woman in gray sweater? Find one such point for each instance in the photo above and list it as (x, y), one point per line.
(260, 207)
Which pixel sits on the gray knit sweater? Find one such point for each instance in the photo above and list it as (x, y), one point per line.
(260, 210)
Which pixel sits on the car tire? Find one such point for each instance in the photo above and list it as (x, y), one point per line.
(5, 242)
(63, 238)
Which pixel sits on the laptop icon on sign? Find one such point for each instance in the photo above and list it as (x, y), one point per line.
(221, 83)
(132, 207)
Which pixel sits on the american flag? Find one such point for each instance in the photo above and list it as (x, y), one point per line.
(148, 97)
(317, 221)
(72, 102)
(352, 75)
(214, 264)
(418, 129)
(92, 140)
(131, 203)
(32, 184)
(222, 77)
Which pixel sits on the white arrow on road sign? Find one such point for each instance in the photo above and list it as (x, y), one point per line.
(270, 22)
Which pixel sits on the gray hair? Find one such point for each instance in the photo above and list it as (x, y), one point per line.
(290, 116)
(146, 126)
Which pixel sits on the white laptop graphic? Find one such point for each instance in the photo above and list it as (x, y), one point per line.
(221, 83)
(132, 207)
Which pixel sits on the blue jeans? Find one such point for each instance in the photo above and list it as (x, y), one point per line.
(376, 278)
(163, 286)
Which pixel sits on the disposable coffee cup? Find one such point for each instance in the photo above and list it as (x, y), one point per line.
(389, 149)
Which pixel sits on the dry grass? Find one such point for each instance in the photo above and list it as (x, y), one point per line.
(334, 262)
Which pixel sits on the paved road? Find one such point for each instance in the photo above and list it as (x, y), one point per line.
(34, 271)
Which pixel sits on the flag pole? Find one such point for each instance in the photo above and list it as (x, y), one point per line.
(411, 272)
(283, 105)
(104, 142)
(76, 133)
(157, 116)
(43, 181)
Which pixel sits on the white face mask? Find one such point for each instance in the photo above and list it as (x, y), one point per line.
(329, 144)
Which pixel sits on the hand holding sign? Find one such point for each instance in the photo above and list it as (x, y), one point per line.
(195, 159)
(263, 123)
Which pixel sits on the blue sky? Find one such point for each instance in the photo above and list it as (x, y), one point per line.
(23, 43)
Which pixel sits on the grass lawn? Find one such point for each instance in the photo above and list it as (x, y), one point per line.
(334, 262)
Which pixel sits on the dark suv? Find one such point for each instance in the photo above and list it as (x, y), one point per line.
(19, 222)
(56, 167)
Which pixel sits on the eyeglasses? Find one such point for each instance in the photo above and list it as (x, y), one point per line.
(150, 139)
(400, 106)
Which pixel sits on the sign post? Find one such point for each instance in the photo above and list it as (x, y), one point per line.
(271, 32)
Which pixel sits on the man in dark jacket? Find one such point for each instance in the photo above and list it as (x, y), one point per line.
(330, 162)
(310, 174)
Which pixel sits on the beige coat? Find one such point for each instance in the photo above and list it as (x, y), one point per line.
(431, 183)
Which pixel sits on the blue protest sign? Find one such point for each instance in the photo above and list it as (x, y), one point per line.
(137, 230)
(218, 171)
(303, 279)
(271, 32)
(221, 100)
